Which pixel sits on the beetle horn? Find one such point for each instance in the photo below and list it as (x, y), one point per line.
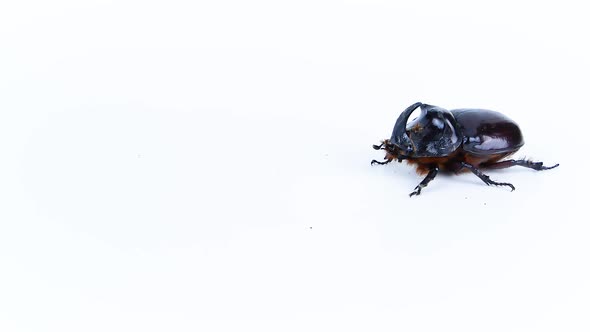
(399, 136)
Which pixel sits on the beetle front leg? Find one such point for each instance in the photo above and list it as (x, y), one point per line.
(387, 161)
(431, 175)
(486, 179)
(378, 147)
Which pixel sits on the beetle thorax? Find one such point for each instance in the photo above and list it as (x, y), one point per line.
(434, 133)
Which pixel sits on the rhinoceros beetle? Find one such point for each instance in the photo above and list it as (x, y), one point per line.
(455, 141)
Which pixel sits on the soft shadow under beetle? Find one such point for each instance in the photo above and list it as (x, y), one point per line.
(455, 141)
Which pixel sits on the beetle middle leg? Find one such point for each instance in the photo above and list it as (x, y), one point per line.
(538, 166)
(431, 175)
(486, 179)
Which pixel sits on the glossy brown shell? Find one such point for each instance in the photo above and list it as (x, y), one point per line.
(488, 132)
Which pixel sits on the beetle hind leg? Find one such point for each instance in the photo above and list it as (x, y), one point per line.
(486, 179)
(538, 166)
(431, 175)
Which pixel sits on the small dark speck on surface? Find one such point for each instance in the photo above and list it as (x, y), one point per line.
(485, 203)
(310, 227)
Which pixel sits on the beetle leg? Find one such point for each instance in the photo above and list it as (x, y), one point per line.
(431, 175)
(486, 179)
(381, 162)
(378, 147)
(538, 166)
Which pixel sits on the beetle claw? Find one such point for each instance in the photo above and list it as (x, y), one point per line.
(512, 188)
(549, 167)
(373, 162)
(417, 191)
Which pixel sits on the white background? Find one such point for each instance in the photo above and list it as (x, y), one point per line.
(204, 166)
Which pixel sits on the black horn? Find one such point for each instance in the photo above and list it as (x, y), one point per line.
(399, 137)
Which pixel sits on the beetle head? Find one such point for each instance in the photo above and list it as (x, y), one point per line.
(434, 133)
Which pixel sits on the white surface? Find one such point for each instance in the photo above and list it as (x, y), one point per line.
(204, 166)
